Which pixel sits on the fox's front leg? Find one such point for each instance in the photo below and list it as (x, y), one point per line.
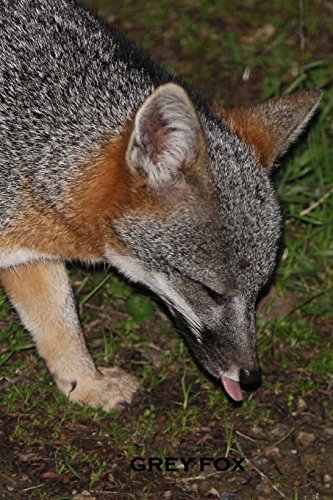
(43, 297)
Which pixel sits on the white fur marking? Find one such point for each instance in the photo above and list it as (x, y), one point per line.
(10, 258)
(133, 270)
(233, 374)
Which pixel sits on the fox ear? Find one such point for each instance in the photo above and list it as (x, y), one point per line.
(166, 140)
(270, 128)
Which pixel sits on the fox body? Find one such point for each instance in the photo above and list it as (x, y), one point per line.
(107, 157)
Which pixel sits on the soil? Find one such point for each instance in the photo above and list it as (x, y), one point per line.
(291, 448)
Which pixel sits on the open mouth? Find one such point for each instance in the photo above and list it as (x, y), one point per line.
(232, 388)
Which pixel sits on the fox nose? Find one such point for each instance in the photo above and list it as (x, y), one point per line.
(250, 377)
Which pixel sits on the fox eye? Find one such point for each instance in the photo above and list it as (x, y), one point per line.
(218, 298)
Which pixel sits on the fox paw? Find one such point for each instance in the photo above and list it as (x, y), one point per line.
(110, 388)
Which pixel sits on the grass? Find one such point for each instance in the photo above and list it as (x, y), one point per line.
(120, 322)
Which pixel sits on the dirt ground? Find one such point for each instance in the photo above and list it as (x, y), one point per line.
(288, 450)
(56, 449)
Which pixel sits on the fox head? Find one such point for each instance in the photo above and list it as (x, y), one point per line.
(209, 243)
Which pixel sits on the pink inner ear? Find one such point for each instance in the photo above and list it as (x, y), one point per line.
(155, 131)
(175, 191)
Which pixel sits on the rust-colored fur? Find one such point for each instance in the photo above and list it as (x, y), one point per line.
(41, 293)
(251, 129)
(79, 228)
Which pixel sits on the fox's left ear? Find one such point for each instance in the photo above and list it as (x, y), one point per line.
(270, 128)
(166, 141)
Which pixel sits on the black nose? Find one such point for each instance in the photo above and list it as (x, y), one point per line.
(250, 377)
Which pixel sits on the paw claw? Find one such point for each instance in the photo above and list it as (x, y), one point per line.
(110, 388)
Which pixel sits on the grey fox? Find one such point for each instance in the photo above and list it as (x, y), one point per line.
(107, 157)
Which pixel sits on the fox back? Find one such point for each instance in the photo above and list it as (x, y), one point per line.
(105, 156)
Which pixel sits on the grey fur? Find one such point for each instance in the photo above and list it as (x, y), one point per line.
(237, 221)
(68, 84)
(62, 94)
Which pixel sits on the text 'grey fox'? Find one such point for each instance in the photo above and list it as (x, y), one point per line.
(107, 157)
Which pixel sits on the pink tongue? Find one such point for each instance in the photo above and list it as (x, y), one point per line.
(232, 388)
